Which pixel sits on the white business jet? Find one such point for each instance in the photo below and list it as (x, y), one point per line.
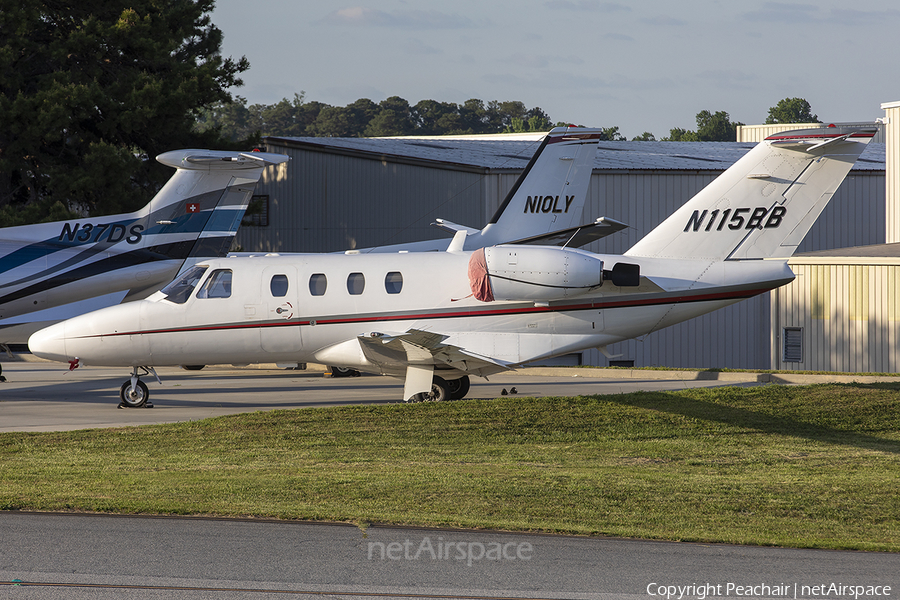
(72, 267)
(437, 318)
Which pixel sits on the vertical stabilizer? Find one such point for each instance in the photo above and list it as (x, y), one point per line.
(199, 210)
(551, 192)
(764, 205)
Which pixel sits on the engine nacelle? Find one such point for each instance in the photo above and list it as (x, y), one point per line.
(537, 274)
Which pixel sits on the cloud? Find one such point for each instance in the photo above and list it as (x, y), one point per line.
(783, 13)
(618, 37)
(729, 78)
(852, 17)
(587, 6)
(810, 14)
(542, 61)
(418, 47)
(401, 19)
(663, 21)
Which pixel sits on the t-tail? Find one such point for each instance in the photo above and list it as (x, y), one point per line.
(764, 205)
(196, 214)
(546, 203)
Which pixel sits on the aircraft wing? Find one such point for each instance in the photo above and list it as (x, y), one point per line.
(575, 237)
(419, 353)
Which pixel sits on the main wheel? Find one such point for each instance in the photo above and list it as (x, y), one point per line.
(134, 397)
(458, 388)
(344, 372)
(439, 392)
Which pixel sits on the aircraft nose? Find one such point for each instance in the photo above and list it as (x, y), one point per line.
(50, 343)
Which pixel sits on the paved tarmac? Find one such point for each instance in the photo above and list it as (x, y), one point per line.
(45, 396)
(93, 556)
(105, 556)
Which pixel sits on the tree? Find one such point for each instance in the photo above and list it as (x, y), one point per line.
(89, 89)
(711, 127)
(644, 137)
(677, 134)
(791, 110)
(394, 117)
(716, 127)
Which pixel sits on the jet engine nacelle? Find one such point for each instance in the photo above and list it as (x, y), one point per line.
(536, 274)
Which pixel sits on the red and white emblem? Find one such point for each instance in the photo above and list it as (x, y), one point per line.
(193, 207)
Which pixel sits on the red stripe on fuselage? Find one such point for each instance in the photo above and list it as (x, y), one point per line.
(680, 299)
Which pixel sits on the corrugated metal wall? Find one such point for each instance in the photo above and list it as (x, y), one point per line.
(321, 202)
(892, 168)
(849, 314)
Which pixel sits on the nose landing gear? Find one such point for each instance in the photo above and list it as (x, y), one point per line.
(134, 392)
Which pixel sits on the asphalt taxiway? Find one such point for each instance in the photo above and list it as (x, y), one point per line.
(99, 556)
(45, 396)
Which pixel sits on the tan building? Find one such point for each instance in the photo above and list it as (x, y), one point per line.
(842, 312)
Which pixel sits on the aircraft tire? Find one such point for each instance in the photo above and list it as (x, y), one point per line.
(344, 372)
(458, 388)
(192, 367)
(140, 397)
(439, 391)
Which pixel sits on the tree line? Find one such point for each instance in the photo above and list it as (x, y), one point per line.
(395, 116)
(91, 91)
(364, 118)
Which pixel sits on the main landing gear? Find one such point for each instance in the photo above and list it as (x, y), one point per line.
(134, 392)
(442, 389)
(344, 372)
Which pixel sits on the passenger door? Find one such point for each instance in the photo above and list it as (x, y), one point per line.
(281, 330)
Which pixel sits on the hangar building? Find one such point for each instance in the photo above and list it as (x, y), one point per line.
(344, 193)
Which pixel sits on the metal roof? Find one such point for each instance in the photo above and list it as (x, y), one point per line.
(872, 254)
(513, 153)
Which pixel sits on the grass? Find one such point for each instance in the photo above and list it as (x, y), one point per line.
(731, 370)
(813, 466)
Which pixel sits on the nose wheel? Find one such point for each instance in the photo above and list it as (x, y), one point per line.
(134, 392)
(134, 396)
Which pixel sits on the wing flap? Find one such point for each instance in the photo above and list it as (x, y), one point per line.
(418, 347)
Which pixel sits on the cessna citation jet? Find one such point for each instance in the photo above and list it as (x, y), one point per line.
(69, 266)
(437, 318)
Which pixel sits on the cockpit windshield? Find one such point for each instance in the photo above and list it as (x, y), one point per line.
(179, 290)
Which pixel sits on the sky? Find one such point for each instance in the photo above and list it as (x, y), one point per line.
(645, 65)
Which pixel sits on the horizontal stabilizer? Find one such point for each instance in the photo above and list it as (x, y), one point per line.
(576, 237)
(453, 227)
(224, 160)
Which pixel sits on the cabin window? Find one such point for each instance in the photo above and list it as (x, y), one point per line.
(279, 285)
(179, 290)
(356, 283)
(317, 284)
(217, 286)
(393, 282)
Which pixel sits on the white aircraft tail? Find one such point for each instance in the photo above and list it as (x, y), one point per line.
(209, 194)
(764, 205)
(549, 195)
